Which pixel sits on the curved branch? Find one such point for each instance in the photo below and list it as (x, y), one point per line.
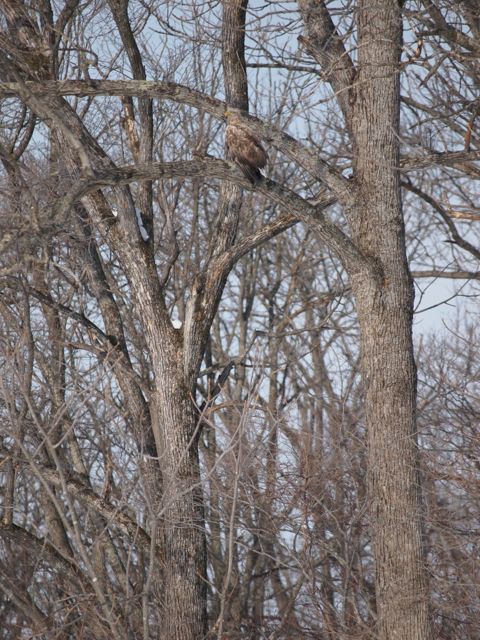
(243, 246)
(310, 161)
(312, 215)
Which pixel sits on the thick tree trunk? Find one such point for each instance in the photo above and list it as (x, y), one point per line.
(182, 514)
(393, 479)
(384, 300)
(175, 426)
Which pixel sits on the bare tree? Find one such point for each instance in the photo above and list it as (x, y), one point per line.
(187, 447)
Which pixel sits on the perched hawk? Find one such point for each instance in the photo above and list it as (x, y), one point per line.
(244, 148)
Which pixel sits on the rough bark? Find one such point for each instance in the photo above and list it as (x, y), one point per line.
(383, 291)
(175, 429)
(384, 298)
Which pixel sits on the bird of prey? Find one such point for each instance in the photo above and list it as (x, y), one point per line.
(244, 148)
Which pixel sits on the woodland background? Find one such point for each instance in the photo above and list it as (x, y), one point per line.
(205, 428)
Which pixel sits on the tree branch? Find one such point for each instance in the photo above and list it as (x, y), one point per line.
(330, 233)
(448, 158)
(80, 491)
(326, 46)
(452, 275)
(457, 238)
(309, 160)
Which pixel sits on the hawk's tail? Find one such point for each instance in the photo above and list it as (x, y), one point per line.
(251, 173)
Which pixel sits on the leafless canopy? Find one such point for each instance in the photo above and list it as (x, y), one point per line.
(210, 422)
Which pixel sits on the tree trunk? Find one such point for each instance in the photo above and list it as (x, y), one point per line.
(175, 426)
(389, 377)
(182, 514)
(384, 301)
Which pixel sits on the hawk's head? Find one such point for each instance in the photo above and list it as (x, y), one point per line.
(232, 114)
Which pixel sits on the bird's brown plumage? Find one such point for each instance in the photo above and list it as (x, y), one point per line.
(244, 148)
